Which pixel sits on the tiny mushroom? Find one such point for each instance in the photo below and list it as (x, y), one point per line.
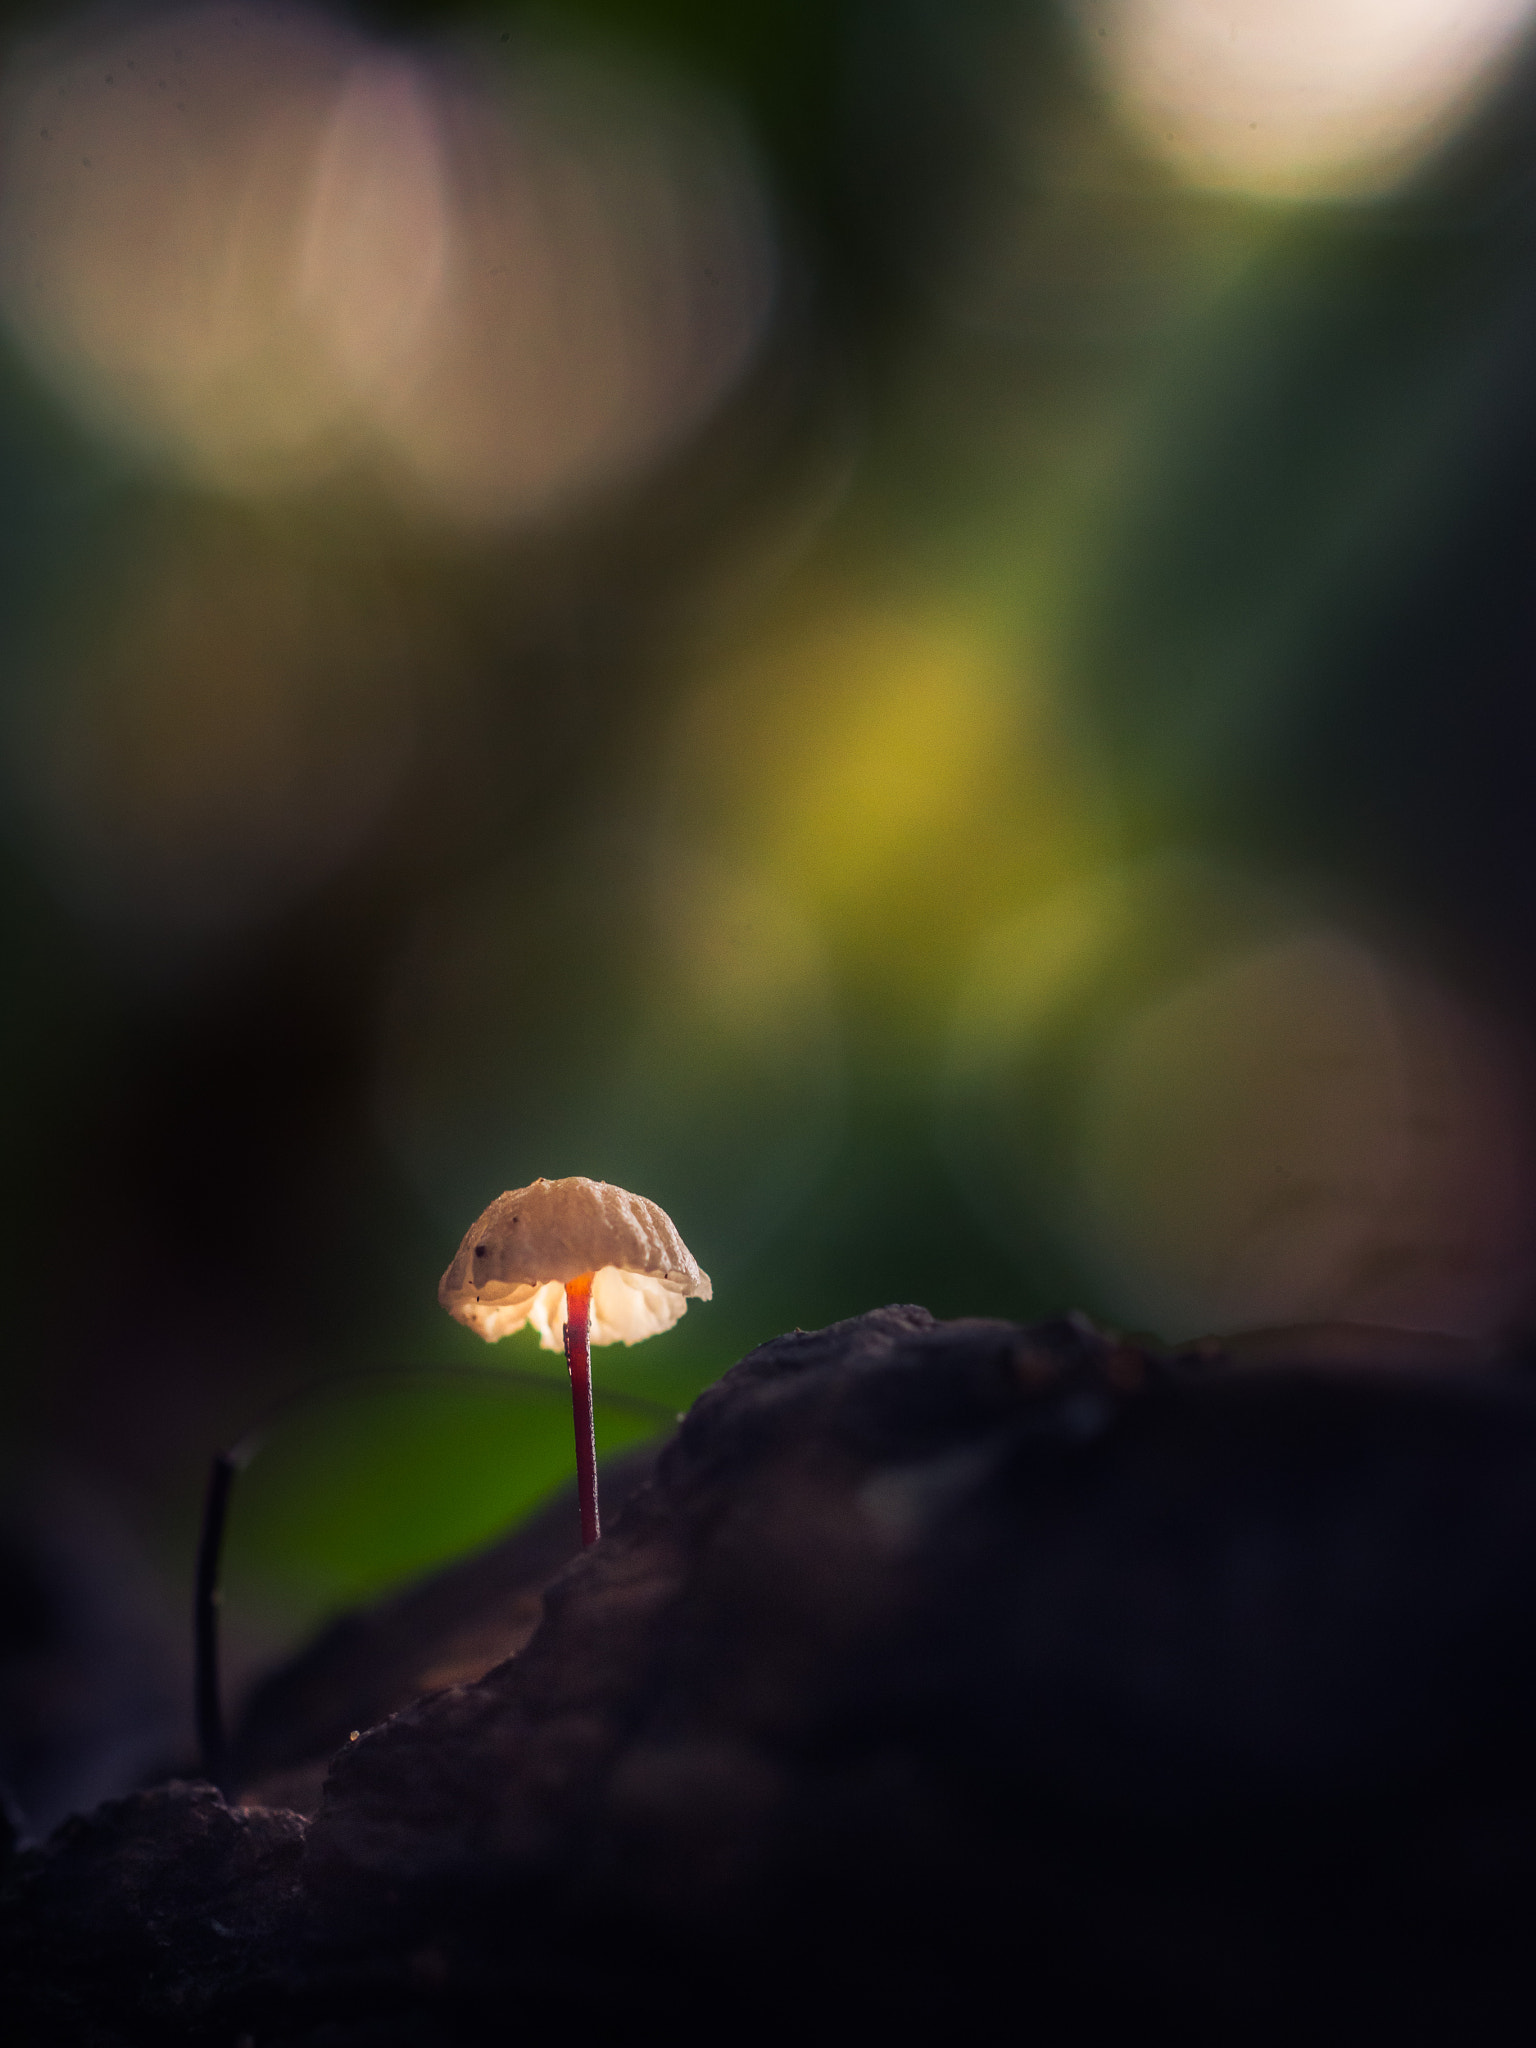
(606, 1266)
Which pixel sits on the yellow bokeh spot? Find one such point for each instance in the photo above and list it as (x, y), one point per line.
(900, 729)
(1028, 968)
(896, 766)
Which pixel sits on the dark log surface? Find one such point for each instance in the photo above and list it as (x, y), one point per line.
(444, 1630)
(945, 1679)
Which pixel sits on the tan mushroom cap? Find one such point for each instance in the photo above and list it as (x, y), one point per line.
(515, 1259)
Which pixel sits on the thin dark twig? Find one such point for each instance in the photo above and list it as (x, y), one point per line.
(212, 1737)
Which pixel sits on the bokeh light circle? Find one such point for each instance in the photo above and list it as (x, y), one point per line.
(1298, 99)
(1229, 1113)
(1306, 1132)
(258, 247)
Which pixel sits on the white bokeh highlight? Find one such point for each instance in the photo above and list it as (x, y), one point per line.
(1298, 99)
(259, 247)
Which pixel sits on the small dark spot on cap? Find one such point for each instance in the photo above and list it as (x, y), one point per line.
(479, 1251)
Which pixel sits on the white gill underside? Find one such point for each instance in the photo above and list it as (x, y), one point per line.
(626, 1309)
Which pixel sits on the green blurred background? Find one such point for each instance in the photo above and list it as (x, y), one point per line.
(906, 627)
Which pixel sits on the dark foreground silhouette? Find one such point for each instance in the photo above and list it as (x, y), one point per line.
(944, 1680)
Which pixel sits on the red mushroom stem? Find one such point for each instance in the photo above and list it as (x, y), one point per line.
(578, 1357)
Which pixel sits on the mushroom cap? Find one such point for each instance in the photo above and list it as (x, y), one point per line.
(515, 1259)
